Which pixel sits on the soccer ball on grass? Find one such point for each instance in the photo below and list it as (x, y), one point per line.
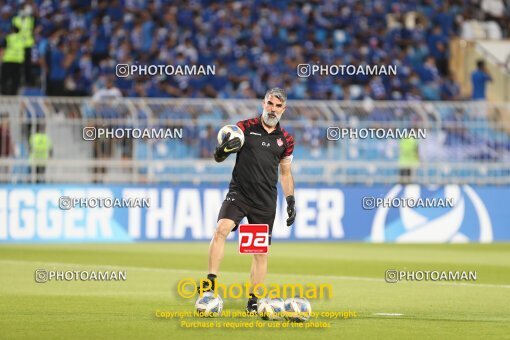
(297, 309)
(209, 305)
(271, 309)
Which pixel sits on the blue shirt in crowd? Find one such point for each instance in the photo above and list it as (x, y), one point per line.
(478, 81)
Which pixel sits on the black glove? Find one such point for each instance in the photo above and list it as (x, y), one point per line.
(227, 147)
(291, 209)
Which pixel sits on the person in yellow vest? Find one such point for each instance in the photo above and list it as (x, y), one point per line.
(12, 58)
(25, 22)
(409, 159)
(40, 152)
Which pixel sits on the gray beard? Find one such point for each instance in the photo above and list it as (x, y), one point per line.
(268, 120)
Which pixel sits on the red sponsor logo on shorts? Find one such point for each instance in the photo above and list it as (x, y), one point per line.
(253, 238)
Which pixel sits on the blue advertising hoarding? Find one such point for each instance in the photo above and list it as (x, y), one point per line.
(31, 214)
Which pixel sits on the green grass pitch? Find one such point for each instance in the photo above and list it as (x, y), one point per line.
(125, 310)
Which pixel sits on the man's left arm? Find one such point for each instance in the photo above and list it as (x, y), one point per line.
(286, 178)
(287, 182)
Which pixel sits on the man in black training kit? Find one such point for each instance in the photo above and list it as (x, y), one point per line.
(252, 191)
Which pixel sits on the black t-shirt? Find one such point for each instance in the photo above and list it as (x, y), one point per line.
(255, 173)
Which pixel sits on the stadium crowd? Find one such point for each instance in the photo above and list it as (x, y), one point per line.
(255, 45)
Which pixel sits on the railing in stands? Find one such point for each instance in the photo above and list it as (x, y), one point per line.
(466, 141)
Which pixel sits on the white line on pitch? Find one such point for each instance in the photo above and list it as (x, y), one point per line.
(388, 314)
(321, 277)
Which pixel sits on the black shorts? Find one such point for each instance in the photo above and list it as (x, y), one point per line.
(235, 209)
